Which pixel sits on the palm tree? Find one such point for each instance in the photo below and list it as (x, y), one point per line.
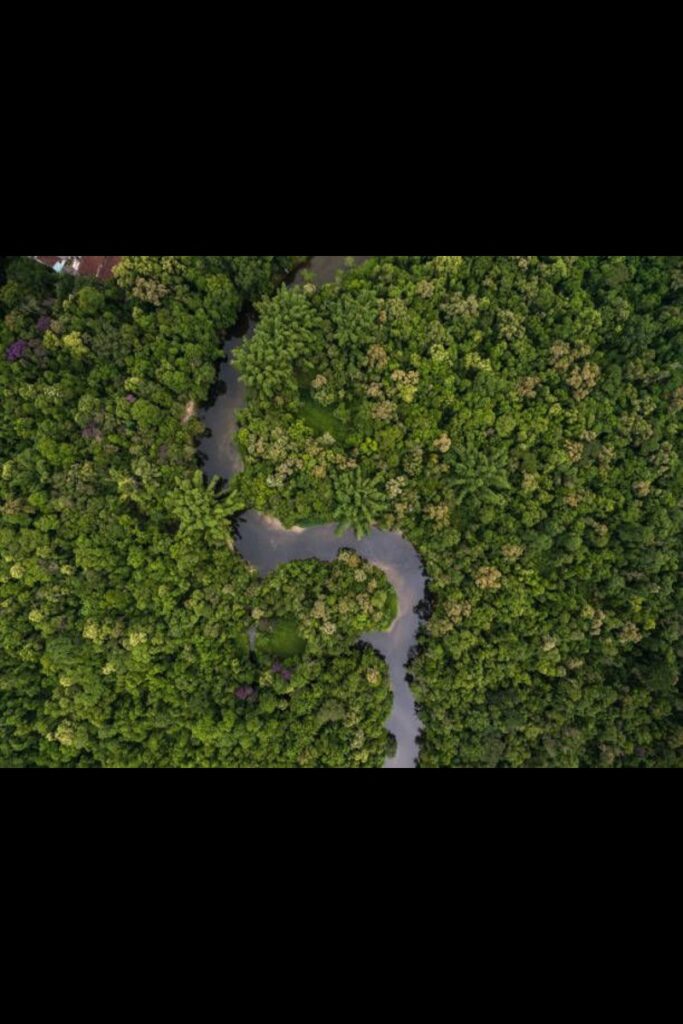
(200, 510)
(359, 503)
(480, 477)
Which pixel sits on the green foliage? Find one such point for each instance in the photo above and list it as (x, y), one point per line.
(359, 502)
(332, 604)
(124, 611)
(321, 420)
(518, 418)
(281, 639)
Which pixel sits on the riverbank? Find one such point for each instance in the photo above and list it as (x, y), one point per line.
(266, 543)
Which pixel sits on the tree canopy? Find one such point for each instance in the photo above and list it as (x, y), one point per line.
(517, 418)
(126, 614)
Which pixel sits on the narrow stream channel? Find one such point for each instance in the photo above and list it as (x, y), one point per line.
(266, 544)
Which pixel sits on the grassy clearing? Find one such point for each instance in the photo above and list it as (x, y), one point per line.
(281, 641)
(322, 420)
(392, 609)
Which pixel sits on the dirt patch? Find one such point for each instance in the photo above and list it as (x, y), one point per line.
(191, 410)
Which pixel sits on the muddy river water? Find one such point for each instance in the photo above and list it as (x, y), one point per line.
(266, 544)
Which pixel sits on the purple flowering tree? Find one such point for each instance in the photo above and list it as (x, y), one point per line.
(16, 351)
(278, 669)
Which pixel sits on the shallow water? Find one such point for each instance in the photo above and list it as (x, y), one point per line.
(219, 449)
(266, 544)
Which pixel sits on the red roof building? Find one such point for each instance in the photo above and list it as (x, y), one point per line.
(91, 266)
(98, 266)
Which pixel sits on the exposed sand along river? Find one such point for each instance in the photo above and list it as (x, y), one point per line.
(266, 544)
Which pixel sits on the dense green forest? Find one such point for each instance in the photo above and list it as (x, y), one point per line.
(125, 614)
(517, 418)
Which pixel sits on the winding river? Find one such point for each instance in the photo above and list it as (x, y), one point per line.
(266, 544)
